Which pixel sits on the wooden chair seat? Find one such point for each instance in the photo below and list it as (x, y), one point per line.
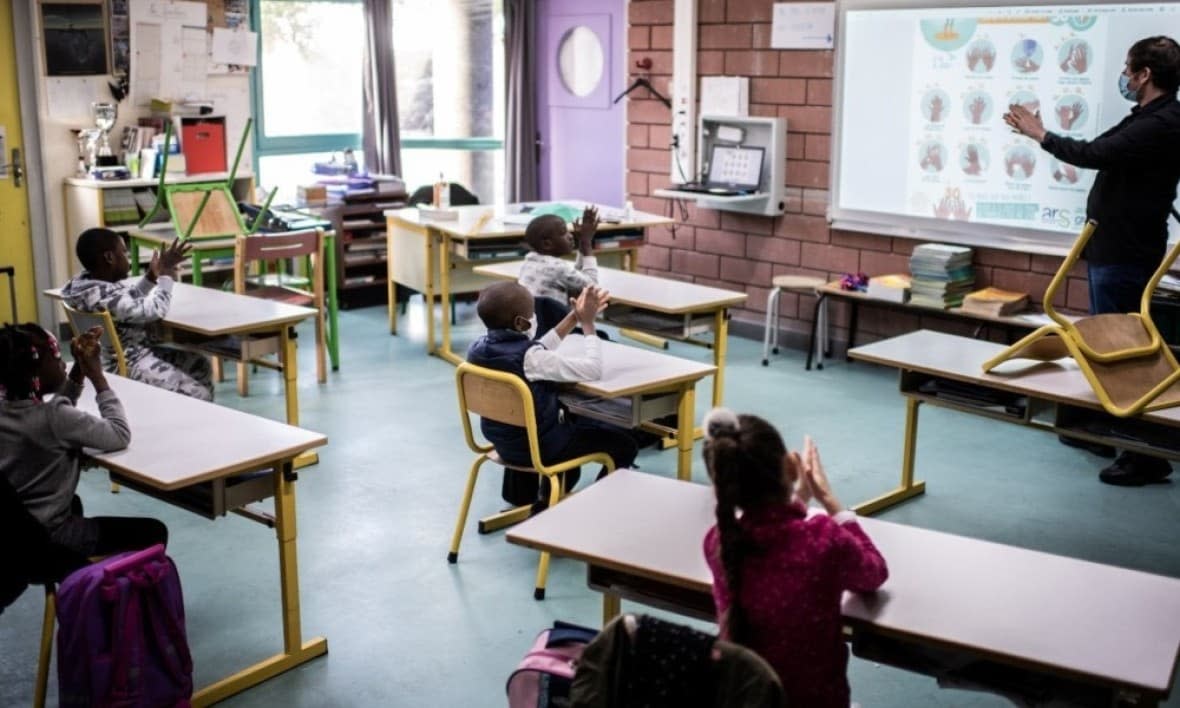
(1110, 333)
(281, 294)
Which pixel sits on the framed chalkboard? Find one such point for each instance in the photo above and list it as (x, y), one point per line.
(75, 38)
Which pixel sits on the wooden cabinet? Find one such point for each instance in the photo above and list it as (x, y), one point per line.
(359, 223)
(120, 204)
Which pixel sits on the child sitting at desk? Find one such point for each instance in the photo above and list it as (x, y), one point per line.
(135, 306)
(779, 574)
(546, 272)
(41, 441)
(507, 311)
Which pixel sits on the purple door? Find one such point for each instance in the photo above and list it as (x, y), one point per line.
(581, 49)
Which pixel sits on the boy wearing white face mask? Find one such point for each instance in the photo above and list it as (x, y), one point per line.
(1138, 163)
(507, 310)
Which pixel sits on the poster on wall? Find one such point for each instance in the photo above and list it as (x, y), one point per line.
(75, 38)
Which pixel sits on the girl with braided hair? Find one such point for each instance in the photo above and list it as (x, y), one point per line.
(42, 435)
(778, 572)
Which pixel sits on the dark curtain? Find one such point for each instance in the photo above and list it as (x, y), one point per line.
(520, 134)
(382, 141)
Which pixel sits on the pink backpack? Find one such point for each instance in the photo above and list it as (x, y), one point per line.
(543, 678)
(120, 639)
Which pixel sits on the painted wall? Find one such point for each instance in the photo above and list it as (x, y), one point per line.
(16, 249)
(744, 252)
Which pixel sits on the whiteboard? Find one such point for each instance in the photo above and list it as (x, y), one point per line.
(919, 147)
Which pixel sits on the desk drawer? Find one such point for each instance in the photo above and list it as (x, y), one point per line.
(211, 499)
(630, 412)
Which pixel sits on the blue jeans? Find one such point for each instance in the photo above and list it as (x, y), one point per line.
(1117, 287)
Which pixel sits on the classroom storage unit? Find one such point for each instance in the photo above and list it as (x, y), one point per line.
(359, 223)
(120, 204)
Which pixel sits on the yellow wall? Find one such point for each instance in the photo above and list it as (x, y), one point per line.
(16, 248)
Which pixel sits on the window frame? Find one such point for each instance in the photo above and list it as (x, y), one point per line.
(334, 142)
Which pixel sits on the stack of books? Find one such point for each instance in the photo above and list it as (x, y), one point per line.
(893, 288)
(995, 302)
(941, 275)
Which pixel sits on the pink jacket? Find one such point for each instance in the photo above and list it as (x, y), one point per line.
(794, 573)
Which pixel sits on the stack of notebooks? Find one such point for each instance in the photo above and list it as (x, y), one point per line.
(995, 302)
(941, 275)
(893, 288)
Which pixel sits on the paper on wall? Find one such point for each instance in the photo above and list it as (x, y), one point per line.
(235, 47)
(803, 25)
(168, 48)
(68, 99)
(194, 63)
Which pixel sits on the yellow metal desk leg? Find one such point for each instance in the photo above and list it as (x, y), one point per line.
(684, 434)
(390, 285)
(908, 488)
(611, 607)
(295, 650)
(444, 299)
(289, 359)
(720, 344)
(429, 235)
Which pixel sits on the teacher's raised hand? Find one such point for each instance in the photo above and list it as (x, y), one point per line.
(1025, 122)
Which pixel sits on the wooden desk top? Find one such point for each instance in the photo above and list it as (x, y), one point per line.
(1030, 320)
(177, 441)
(647, 292)
(165, 236)
(961, 358)
(631, 370)
(469, 216)
(1035, 609)
(216, 313)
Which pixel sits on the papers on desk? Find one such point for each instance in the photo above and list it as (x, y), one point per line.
(517, 219)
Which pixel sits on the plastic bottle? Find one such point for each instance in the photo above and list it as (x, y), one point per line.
(444, 192)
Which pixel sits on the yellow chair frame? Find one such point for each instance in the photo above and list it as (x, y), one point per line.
(82, 321)
(506, 398)
(1065, 338)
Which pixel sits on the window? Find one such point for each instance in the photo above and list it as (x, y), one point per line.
(450, 73)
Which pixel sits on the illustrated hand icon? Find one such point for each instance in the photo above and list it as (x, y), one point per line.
(932, 159)
(936, 109)
(989, 58)
(1067, 174)
(1023, 160)
(973, 165)
(952, 207)
(976, 110)
(1075, 60)
(1068, 115)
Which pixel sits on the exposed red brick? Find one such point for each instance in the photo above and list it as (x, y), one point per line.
(655, 257)
(720, 242)
(749, 223)
(749, 11)
(1077, 296)
(807, 119)
(869, 242)
(804, 228)
(764, 110)
(1023, 281)
(819, 92)
(661, 37)
(802, 173)
(660, 137)
(709, 11)
(740, 270)
(648, 111)
(651, 205)
(710, 63)
(704, 265)
(756, 295)
(810, 63)
(796, 148)
(724, 37)
(834, 259)
(775, 249)
(1050, 264)
(751, 63)
(661, 60)
(707, 218)
(1002, 259)
(881, 263)
(904, 245)
(768, 90)
(637, 182)
(650, 12)
(794, 198)
(647, 160)
(681, 238)
(636, 135)
(639, 37)
(818, 147)
(761, 36)
(815, 201)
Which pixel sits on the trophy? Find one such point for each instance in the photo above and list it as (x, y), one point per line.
(104, 121)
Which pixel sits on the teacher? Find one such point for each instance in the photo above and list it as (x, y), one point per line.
(1138, 163)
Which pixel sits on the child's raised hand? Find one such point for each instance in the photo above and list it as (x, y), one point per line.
(793, 469)
(87, 352)
(586, 227)
(591, 301)
(817, 479)
(170, 257)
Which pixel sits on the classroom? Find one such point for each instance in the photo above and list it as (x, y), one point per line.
(709, 352)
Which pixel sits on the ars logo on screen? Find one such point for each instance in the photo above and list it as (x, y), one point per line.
(1062, 218)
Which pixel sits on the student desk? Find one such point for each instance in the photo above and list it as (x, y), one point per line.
(661, 306)
(945, 370)
(160, 425)
(203, 249)
(422, 252)
(638, 386)
(1095, 627)
(855, 299)
(212, 314)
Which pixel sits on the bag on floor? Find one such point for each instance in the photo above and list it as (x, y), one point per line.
(121, 638)
(543, 678)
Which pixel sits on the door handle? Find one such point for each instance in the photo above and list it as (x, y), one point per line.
(16, 166)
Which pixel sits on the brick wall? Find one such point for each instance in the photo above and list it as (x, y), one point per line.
(743, 252)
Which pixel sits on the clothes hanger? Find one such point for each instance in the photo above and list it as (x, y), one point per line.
(642, 82)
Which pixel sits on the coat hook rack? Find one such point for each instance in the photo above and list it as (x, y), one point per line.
(645, 65)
